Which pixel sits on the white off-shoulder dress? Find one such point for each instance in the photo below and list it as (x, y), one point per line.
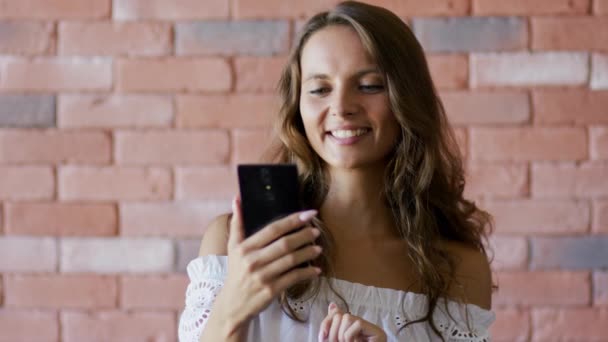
(381, 306)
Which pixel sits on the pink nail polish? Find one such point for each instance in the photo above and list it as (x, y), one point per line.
(307, 215)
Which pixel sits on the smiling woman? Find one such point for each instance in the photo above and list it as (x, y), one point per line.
(400, 250)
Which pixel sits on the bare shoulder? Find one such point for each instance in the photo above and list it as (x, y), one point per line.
(473, 283)
(215, 238)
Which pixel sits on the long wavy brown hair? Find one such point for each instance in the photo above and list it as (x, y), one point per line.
(424, 178)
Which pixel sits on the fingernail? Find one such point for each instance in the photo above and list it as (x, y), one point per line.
(307, 215)
(332, 305)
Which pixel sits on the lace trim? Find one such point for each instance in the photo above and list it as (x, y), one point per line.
(200, 297)
(453, 332)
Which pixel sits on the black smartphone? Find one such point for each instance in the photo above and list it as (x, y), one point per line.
(268, 192)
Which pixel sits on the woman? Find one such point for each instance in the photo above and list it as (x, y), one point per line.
(399, 253)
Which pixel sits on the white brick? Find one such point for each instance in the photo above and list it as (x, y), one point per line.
(24, 254)
(115, 255)
(599, 72)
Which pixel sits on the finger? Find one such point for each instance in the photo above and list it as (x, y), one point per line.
(289, 261)
(295, 276)
(345, 323)
(326, 323)
(353, 331)
(277, 229)
(236, 224)
(335, 326)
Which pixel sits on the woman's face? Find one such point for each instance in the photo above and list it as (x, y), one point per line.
(344, 101)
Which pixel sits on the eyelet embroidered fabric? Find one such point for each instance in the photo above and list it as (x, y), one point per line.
(388, 308)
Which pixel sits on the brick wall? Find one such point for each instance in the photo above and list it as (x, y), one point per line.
(121, 122)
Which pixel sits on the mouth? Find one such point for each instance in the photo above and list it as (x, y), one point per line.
(348, 133)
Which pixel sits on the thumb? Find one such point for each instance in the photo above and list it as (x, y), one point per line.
(236, 224)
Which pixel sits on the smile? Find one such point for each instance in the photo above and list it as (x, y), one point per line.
(348, 133)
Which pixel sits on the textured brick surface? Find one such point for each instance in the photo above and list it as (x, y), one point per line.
(60, 219)
(54, 146)
(27, 326)
(26, 38)
(61, 291)
(600, 288)
(170, 9)
(600, 217)
(55, 9)
(118, 326)
(258, 74)
(226, 111)
(542, 288)
(589, 252)
(521, 69)
(87, 183)
(599, 71)
(279, 9)
(509, 252)
(449, 71)
(492, 180)
(576, 324)
(600, 7)
(28, 254)
(577, 33)
(147, 292)
(187, 250)
(250, 146)
(26, 183)
(114, 111)
(27, 111)
(540, 216)
(258, 38)
(205, 183)
(57, 74)
(568, 180)
(479, 108)
(113, 255)
(471, 34)
(108, 38)
(511, 325)
(526, 144)
(174, 74)
(598, 137)
(525, 7)
(570, 107)
(175, 147)
(180, 219)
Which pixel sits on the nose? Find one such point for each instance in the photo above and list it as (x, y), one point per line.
(343, 103)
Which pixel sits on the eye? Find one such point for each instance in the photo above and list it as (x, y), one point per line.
(319, 91)
(372, 88)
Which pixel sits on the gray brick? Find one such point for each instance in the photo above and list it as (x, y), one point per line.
(588, 252)
(27, 111)
(257, 38)
(471, 34)
(186, 251)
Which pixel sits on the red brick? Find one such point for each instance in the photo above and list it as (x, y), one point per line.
(600, 288)
(169, 219)
(26, 182)
(511, 325)
(425, 8)
(208, 74)
(172, 147)
(26, 254)
(153, 292)
(279, 9)
(522, 69)
(600, 217)
(114, 183)
(449, 71)
(259, 38)
(62, 219)
(599, 142)
(170, 9)
(600, 7)
(61, 291)
(462, 139)
(54, 147)
(568, 180)
(599, 71)
(575, 324)
(26, 38)
(509, 252)
(55, 9)
(496, 180)
(114, 38)
(205, 183)
(117, 255)
(569, 33)
(118, 326)
(57, 74)
(526, 8)
(250, 146)
(226, 111)
(482, 108)
(543, 288)
(27, 326)
(528, 144)
(258, 74)
(540, 216)
(112, 111)
(579, 107)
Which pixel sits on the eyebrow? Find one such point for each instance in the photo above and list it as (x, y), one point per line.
(356, 75)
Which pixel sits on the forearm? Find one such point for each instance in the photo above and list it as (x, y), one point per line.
(224, 325)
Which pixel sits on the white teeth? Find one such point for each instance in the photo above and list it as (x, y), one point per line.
(343, 133)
